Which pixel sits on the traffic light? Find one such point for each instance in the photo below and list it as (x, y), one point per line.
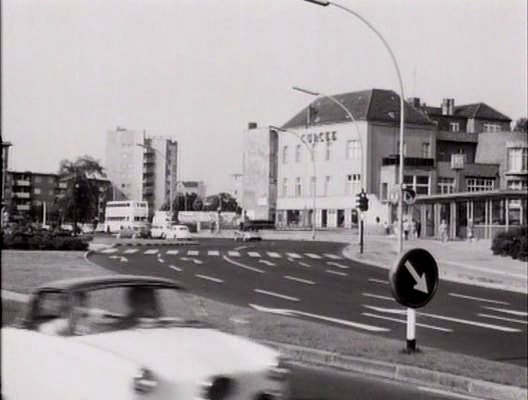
(362, 201)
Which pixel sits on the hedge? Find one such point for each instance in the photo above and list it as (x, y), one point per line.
(47, 241)
(513, 243)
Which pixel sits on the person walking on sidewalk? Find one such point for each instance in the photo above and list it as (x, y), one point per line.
(443, 231)
(406, 228)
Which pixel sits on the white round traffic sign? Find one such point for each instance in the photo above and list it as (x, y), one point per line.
(394, 196)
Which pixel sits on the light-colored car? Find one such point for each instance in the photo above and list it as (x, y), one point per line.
(130, 337)
(180, 232)
(248, 235)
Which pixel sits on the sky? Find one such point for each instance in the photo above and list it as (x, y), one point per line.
(200, 70)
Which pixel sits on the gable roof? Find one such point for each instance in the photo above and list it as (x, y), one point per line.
(368, 105)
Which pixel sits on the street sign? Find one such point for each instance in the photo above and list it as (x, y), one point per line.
(414, 278)
(394, 196)
(409, 196)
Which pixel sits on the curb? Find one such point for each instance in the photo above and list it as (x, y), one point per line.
(402, 373)
(397, 372)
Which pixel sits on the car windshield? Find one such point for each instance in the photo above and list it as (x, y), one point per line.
(130, 307)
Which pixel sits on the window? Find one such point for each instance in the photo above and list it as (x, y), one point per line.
(384, 191)
(285, 155)
(518, 159)
(298, 187)
(328, 151)
(352, 184)
(298, 153)
(426, 153)
(38, 179)
(285, 187)
(51, 179)
(517, 184)
(51, 192)
(36, 191)
(420, 184)
(492, 128)
(328, 180)
(454, 127)
(353, 150)
(313, 185)
(479, 184)
(446, 185)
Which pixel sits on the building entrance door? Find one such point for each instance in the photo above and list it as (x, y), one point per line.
(324, 218)
(461, 220)
(340, 218)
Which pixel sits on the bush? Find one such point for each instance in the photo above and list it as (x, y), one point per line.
(513, 243)
(41, 241)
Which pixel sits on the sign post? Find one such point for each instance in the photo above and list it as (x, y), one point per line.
(414, 282)
(362, 204)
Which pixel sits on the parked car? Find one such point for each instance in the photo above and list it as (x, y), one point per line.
(130, 337)
(180, 232)
(248, 235)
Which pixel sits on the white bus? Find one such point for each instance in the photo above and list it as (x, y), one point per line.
(125, 214)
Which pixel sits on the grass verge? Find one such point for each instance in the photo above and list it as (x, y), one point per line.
(22, 270)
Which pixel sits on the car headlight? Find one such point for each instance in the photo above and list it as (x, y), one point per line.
(144, 381)
(279, 370)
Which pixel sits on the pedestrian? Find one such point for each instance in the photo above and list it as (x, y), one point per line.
(418, 228)
(413, 229)
(443, 231)
(406, 228)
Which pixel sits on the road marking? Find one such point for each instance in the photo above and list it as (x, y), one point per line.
(404, 321)
(196, 261)
(108, 251)
(272, 254)
(520, 321)
(209, 278)
(332, 256)
(213, 253)
(295, 313)
(377, 296)
(446, 393)
(280, 296)
(462, 296)
(173, 252)
(243, 266)
(253, 254)
(121, 258)
(193, 252)
(312, 255)
(336, 272)
(506, 311)
(513, 275)
(130, 251)
(240, 247)
(293, 278)
(444, 318)
(267, 262)
(175, 268)
(337, 265)
(233, 254)
(293, 255)
(161, 260)
(378, 281)
(304, 264)
(151, 251)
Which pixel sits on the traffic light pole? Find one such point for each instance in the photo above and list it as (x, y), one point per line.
(361, 233)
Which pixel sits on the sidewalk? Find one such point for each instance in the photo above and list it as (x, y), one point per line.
(459, 261)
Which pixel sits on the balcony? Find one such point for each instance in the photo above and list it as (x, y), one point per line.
(394, 159)
(21, 195)
(20, 182)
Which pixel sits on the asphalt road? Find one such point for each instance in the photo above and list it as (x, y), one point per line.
(313, 280)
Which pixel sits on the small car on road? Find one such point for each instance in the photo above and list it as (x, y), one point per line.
(130, 337)
(248, 235)
(178, 232)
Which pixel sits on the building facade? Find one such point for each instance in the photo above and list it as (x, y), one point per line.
(142, 167)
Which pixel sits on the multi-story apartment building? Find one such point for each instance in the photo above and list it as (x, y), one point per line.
(236, 187)
(142, 167)
(5, 165)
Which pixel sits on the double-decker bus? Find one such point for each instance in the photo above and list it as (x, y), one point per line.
(129, 214)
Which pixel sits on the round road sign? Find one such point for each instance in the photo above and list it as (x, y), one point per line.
(414, 278)
(394, 196)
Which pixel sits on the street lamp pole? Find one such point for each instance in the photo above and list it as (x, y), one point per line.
(166, 163)
(325, 3)
(311, 150)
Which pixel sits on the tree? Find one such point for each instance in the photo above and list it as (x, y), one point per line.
(222, 200)
(82, 193)
(521, 125)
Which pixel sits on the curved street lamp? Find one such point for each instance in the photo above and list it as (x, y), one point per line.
(311, 150)
(325, 3)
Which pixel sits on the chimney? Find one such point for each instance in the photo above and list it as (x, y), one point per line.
(252, 125)
(448, 106)
(414, 101)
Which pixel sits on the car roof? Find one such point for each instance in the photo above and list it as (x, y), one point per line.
(109, 281)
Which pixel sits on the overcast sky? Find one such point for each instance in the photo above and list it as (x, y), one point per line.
(200, 70)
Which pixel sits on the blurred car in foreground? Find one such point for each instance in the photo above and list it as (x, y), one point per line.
(248, 235)
(130, 337)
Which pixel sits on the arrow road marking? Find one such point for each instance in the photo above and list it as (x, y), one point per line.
(209, 278)
(175, 268)
(441, 317)
(506, 311)
(403, 321)
(421, 284)
(478, 299)
(123, 259)
(243, 266)
(280, 296)
(295, 313)
(293, 278)
(337, 265)
(267, 262)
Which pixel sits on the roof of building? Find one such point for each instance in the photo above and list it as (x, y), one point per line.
(368, 105)
(476, 110)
